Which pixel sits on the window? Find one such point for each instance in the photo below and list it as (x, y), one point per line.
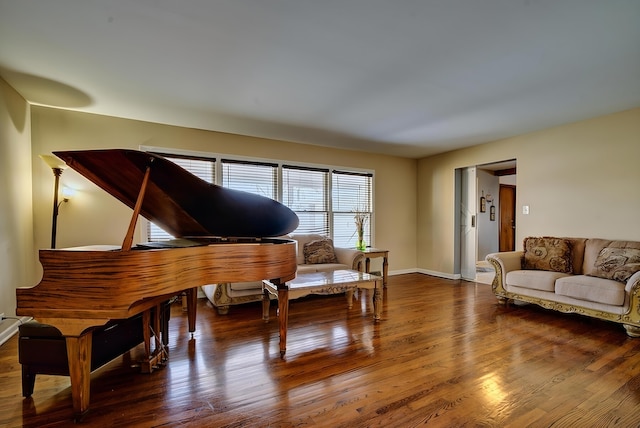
(252, 177)
(305, 192)
(350, 193)
(325, 200)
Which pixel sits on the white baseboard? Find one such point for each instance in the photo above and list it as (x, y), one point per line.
(439, 274)
(426, 272)
(9, 327)
(402, 271)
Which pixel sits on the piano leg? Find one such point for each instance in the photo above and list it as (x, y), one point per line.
(79, 358)
(192, 301)
(283, 316)
(146, 334)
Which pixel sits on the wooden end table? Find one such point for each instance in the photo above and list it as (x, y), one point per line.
(372, 253)
(339, 281)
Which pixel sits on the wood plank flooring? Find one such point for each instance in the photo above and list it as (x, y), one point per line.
(445, 355)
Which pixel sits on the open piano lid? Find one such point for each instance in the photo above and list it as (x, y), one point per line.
(177, 201)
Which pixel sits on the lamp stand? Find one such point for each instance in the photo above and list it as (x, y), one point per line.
(57, 172)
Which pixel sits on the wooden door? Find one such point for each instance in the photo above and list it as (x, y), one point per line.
(507, 234)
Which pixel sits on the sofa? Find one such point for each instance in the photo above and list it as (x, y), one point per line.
(318, 258)
(598, 278)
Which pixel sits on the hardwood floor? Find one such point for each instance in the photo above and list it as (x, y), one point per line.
(445, 354)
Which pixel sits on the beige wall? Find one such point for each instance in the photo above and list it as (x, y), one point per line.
(93, 216)
(17, 258)
(580, 179)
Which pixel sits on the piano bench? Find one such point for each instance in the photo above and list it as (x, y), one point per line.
(42, 348)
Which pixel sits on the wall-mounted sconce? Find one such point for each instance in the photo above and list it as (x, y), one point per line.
(57, 166)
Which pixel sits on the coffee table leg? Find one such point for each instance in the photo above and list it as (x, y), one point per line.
(283, 318)
(349, 294)
(377, 303)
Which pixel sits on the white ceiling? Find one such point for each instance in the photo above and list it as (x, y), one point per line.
(403, 77)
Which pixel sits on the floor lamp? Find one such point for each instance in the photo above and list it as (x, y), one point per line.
(57, 166)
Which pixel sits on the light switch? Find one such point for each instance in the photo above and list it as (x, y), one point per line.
(525, 209)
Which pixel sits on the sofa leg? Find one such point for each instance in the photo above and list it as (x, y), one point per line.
(632, 330)
(223, 310)
(502, 300)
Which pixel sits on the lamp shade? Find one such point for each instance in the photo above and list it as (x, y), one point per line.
(53, 161)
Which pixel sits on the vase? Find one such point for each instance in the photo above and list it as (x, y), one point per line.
(360, 244)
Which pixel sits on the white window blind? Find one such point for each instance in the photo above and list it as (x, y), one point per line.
(253, 177)
(351, 192)
(306, 192)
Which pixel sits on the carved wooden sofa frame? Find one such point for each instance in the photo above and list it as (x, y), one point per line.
(628, 315)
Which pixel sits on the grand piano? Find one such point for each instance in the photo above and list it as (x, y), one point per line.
(224, 235)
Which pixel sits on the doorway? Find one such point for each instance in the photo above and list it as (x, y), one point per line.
(485, 223)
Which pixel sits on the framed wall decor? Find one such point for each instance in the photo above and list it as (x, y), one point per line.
(483, 203)
(492, 213)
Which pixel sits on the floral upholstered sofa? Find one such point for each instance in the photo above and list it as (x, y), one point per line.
(315, 253)
(599, 278)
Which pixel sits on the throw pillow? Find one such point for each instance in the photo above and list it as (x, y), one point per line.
(321, 251)
(616, 263)
(550, 254)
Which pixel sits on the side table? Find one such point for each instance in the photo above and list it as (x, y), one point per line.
(371, 253)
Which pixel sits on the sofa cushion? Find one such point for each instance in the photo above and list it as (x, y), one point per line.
(592, 289)
(321, 267)
(577, 253)
(594, 246)
(320, 251)
(616, 263)
(549, 254)
(534, 279)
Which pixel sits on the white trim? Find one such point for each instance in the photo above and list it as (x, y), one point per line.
(402, 272)
(425, 272)
(9, 327)
(440, 274)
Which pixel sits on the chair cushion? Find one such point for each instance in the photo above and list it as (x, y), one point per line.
(593, 289)
(241, 286)
(322, 267)
(320, 251)
(301, 239)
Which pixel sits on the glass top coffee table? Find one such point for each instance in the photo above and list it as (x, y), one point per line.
(334, 282)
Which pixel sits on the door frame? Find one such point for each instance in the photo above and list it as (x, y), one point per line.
(466, 240)
(504, 167)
